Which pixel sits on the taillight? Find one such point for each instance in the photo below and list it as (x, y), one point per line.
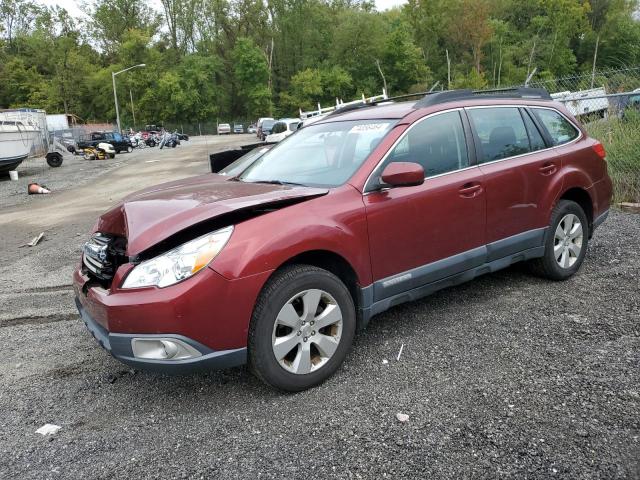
(599, 149)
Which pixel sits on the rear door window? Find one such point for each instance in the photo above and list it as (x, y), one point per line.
(559, 128)
(500, 133)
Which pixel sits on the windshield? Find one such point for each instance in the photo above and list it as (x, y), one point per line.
(325, 155)
(279, 127)
(268, 123)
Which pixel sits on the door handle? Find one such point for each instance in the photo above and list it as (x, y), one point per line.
(470, 190)
(548, 169)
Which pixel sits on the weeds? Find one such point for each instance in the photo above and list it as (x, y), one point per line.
(621, 140)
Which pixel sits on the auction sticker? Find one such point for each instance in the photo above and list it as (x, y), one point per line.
(369, 127)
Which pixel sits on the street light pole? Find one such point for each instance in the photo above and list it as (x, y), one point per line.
(115, 98)
(115, 94)
(133, 112)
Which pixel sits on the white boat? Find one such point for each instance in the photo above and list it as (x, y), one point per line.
(21, 136)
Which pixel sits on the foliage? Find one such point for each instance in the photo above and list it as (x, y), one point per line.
(252, 77)
(621, 140)
(210, 59)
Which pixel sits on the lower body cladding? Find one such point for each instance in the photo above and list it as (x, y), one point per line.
(463, 267)
(198, 324)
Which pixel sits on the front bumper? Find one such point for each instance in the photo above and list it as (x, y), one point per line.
(206, 312)
(119, 346)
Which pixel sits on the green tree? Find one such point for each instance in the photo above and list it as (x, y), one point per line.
(403, 64)
(251, 73)
(112, 19)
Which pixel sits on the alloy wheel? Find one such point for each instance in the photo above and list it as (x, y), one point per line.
(307, 331)
(568, 239)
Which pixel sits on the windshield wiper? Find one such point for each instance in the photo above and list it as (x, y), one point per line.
(278, 182)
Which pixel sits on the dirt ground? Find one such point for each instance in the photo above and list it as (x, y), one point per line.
(506, 376)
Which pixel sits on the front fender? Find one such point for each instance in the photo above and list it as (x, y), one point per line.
(335, 223)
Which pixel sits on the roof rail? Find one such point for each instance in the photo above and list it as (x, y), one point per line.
(341, 106)
(453, 95)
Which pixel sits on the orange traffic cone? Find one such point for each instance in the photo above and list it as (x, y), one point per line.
(35, 189)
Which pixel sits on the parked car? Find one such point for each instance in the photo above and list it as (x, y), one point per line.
(259, 126)
(233, 162)
(238, 128)
(278, 265)
(120, 143)
(264, 128)
(224, 128)
(252, 128)
(282, 129)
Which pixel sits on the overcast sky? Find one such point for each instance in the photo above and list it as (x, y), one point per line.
(72, 5)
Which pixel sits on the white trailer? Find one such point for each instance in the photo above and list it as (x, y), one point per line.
(583, 102)
(57, 122)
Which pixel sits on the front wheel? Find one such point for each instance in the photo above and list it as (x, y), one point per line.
(301, 329)
(129, 149)
(565, 244)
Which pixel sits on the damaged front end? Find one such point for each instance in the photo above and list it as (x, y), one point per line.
(154, 230)
(101, 257)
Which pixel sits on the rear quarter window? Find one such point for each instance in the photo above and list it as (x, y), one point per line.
(560, 129)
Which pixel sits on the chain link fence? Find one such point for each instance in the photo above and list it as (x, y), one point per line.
(206, 128)
(607, 103)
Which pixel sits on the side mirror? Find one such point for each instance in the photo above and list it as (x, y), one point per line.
(403, 174)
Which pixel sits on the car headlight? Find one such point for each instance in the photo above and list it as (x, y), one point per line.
(180, 263)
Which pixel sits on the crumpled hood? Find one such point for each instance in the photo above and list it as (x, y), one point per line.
(154, 214)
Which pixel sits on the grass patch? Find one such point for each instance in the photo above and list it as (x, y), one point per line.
(621, 140)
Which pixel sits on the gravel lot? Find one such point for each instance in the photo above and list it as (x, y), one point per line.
(506, 376)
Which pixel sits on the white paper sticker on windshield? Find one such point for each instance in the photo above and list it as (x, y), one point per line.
(369, 127)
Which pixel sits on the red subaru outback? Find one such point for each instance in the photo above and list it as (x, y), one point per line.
(279, 264)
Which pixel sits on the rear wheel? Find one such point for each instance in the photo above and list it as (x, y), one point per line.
(565, 244)
(129, 149)
(302, 328)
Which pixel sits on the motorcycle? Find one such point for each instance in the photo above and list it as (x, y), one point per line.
(137, 141)
(170, 140)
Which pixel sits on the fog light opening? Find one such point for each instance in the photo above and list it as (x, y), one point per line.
(170, 348)
(163, 349)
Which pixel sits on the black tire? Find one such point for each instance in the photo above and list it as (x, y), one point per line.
(54, 160)
(129, 149)
(284, 285)
(112, 155)
(547, 266)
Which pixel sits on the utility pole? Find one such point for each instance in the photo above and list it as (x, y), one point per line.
(115, 93)
(595, 56)
(384, 80)
(448, 70)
